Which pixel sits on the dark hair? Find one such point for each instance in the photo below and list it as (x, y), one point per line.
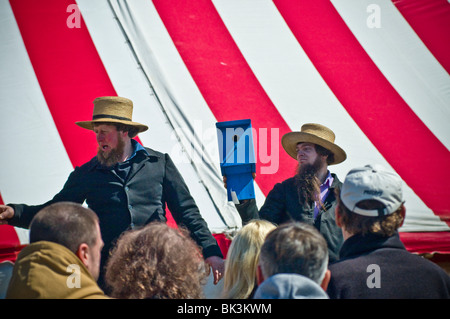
(65, 223)
(324, 152)
(132, 131)
(296, 248)
(359, 224)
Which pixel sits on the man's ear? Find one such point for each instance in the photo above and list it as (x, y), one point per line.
(122, 134)
(83, 253)
(326, 280)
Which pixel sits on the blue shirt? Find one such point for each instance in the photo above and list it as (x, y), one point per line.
(136, 148)
(123, 169)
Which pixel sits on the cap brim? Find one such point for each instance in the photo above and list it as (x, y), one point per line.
(290, 140)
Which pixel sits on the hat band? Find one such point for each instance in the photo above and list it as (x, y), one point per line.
(101, 116)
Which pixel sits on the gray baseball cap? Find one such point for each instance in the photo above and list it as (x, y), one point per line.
(372, 182)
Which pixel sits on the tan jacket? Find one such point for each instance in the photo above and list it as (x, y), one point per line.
(46, 270)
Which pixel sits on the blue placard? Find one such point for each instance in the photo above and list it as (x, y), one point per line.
(237, 158)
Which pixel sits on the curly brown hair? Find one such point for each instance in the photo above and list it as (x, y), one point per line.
(358, 224)
(156, 262)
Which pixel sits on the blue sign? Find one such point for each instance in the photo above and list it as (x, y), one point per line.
(237, 158)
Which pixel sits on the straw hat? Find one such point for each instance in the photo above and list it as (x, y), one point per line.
(112, 109)
(316, 134)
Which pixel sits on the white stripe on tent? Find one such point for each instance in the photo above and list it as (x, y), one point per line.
(301, 95)
(34, 163)
(23, 235)
(151, 42)
(403, 59)
(30, 134)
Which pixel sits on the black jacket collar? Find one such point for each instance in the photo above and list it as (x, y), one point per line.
(359, 245)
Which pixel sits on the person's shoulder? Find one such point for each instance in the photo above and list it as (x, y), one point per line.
(88, 166)
(425, 264)
(336, 181)
(284, 185)
(154, 153)
(288, 182)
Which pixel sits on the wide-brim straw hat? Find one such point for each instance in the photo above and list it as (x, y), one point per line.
(315, 134)
(112, 109)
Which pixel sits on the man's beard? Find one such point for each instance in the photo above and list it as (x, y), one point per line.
(308, 185)
(114, 156)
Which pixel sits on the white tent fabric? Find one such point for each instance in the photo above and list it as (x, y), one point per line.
(142, 54)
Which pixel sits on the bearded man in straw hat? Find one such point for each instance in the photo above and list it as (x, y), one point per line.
(126, 184)
(309, 195)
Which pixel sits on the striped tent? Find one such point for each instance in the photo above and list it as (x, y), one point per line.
(375, 71)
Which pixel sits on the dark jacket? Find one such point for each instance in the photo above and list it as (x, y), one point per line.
(151, 182)
(283, 204)
(373, 266)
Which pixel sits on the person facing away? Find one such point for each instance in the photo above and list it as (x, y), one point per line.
(242, 260)
(156, 262)
(309, 195)
(293, 264)
(126, 184)
(374, 263)
(63, 257)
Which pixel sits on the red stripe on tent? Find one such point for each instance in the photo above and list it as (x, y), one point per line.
(431, 21)
(429, 242)
(67, 65)
(222, 75)
(9, 243)
(384, 117)
(224, 243)
(8, 237)
(69, 70)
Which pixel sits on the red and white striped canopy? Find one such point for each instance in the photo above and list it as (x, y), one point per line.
(375, 71)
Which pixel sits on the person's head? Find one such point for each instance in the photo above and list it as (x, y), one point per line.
(113, 126)
(314, 149)
(156, 262)
(370, 201)
(72, 226)
(242, 259)
(295, 248)
(312, 142)
(309, 154)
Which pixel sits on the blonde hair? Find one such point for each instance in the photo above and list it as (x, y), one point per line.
(242, 259)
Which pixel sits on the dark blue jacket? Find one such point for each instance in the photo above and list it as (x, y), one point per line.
(152, 182)
(379, 267)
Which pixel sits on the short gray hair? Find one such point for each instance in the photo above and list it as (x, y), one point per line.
(65, 223)
(295, 248)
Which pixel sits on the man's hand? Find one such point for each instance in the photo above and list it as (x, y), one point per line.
(224, 178)
(217, 265)
(6, 213)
